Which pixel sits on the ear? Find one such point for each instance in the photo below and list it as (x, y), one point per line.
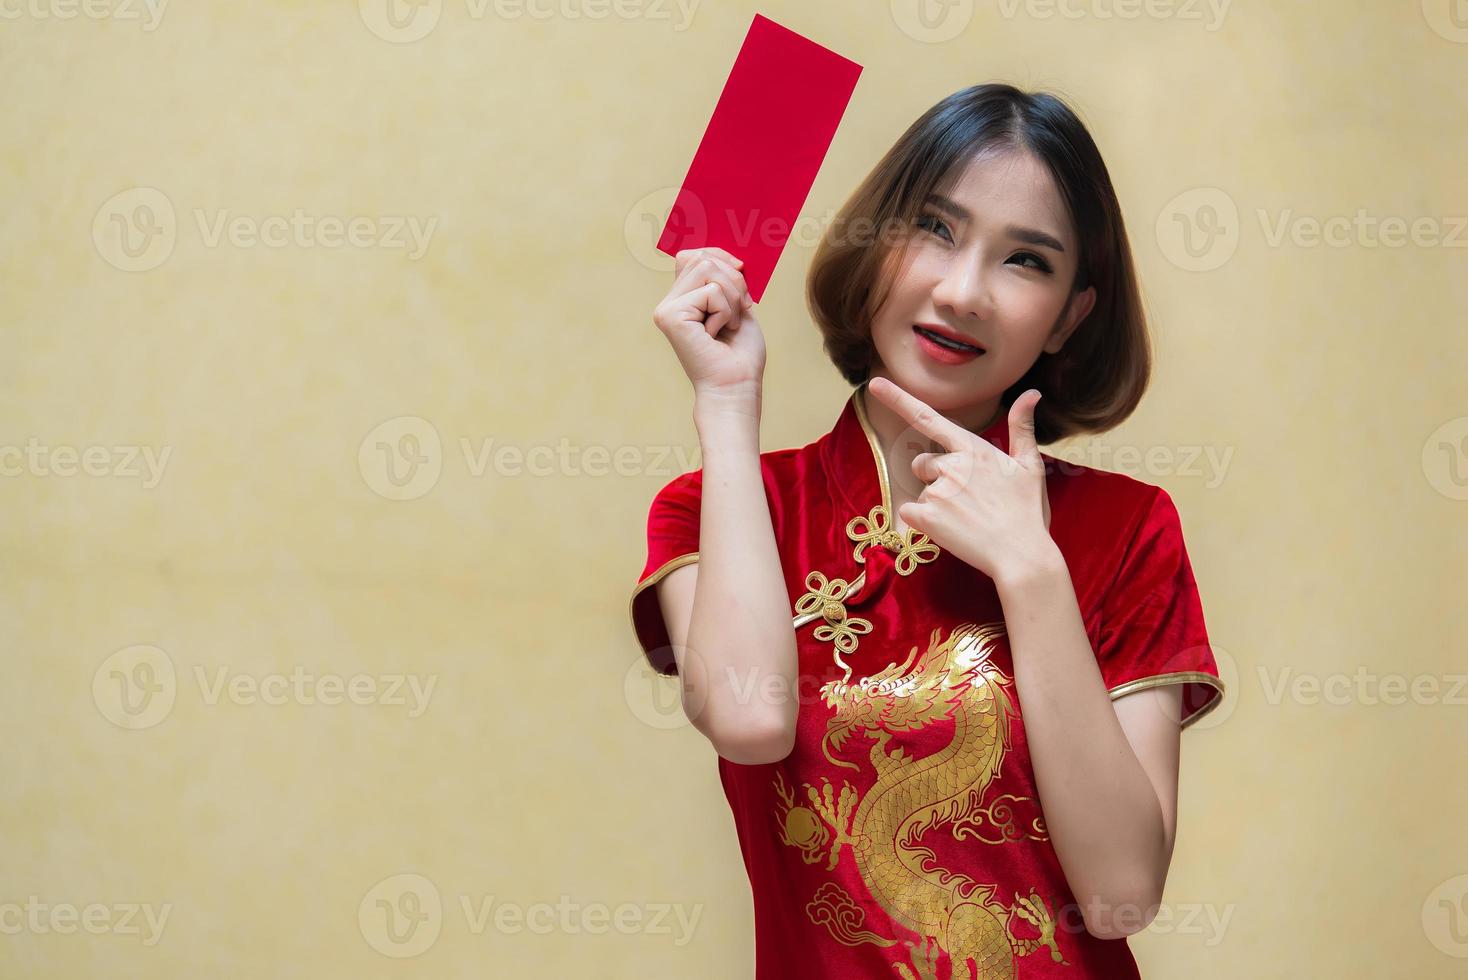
(1080, 307)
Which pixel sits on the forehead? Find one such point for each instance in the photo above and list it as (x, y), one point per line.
(1010, 187)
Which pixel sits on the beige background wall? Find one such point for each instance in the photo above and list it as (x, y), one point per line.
(160, 754)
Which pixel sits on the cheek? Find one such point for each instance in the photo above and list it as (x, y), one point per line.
(1028, 309)
(905, 293)
(911, 286)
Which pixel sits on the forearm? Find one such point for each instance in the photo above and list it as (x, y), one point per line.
(740, 627)
(1103, 814)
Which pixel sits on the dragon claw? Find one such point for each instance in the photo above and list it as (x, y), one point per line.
(924, 956)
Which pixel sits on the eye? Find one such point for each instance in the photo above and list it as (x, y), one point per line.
(926, 222)
(1040, 263)
(930, 222)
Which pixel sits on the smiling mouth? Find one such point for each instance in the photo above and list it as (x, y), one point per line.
(950, 344)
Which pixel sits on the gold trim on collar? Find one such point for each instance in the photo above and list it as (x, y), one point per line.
(912, 548)
(871, 433)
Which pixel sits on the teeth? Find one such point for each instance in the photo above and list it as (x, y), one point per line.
(944, 341)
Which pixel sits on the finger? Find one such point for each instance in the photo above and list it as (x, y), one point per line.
(738, 288)
(925, 466)
(724, 254)
(688, 291)
(688, 256)
(709, 268)
(733, 272)
(711, 299)
(919, 415)
(943, 474)
(1022, 445)
(913, 515)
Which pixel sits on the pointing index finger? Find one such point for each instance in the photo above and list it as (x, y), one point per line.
(919, 415)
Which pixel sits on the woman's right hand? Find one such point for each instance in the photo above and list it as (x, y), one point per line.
(708, 318)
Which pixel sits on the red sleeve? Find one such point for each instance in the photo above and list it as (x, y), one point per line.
(1152, 630)
(672, 542)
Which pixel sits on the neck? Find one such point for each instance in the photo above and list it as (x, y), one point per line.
(901, 443)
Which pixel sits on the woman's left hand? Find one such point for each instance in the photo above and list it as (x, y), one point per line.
(986, 506)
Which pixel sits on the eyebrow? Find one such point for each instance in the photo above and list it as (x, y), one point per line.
(1031, 235)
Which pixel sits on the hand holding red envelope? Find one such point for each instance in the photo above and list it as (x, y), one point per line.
(762, 150)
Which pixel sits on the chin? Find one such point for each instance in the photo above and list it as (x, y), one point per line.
(945, 391)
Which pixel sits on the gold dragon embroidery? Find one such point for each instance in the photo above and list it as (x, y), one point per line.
(883, 829)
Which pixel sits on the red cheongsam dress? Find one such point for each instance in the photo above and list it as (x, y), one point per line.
(903, 835)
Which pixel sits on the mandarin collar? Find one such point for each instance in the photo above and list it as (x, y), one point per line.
(854, 457)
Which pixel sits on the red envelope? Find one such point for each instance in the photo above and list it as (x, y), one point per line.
(763, 147)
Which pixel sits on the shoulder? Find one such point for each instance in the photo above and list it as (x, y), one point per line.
(1108, 503)
(1084, 479)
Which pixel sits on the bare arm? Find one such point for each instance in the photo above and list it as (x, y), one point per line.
(728, 614)
(729, 619)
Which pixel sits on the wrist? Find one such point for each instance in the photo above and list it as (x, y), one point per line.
(737, 408)
(1035, 565)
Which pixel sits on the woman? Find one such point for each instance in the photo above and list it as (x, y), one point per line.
(905, 637)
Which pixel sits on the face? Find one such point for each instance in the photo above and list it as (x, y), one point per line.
(991, 260)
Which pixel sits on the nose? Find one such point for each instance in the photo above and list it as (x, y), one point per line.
(964, 289)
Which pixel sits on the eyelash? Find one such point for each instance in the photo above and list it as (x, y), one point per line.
(1042, 267)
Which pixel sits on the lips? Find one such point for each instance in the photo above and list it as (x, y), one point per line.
(952, 338)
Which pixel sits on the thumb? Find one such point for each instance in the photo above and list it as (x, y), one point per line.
(1022, 445)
